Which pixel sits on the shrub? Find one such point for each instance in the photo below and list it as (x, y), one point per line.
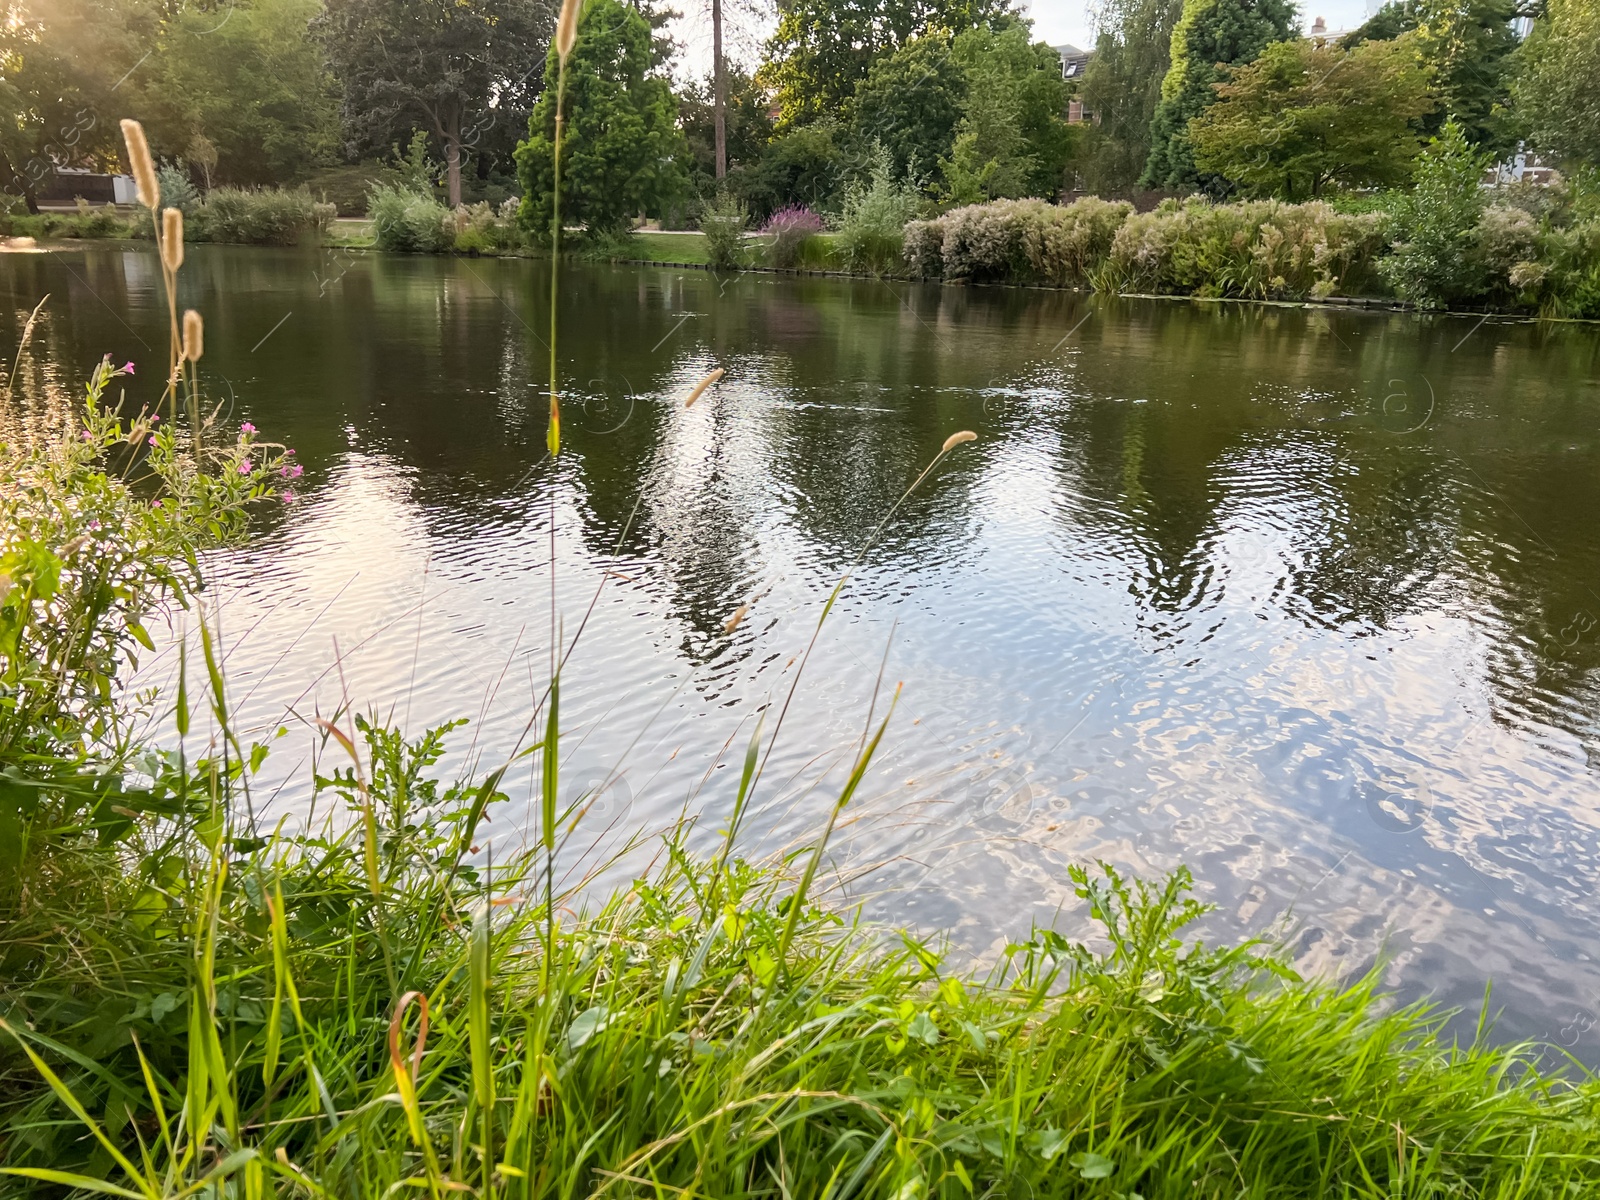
(984, 242)
(786, 232)
(85, 223)
(482, 229)
(177, 190)
(347, 187)
(723, 224)
(1436, 258)
(872, 226)
(409, 221)
(269, 217)
(1262, 249)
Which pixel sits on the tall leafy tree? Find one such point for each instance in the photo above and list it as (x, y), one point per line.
(1122, 86)
(1024, 79)
(1308, 114)
(453, 67)
(1469, 46)
(1209, 35)
(250, 83)
(63, 67)
(622, 153)
(910, 104)
(1557, 92)
(822, 50)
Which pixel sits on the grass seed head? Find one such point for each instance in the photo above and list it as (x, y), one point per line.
(955, 439)
(144, 167)
(699, 388)
(194, 331)
(172, 238)
(567, 27)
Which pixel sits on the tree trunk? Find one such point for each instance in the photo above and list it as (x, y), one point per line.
(452, 160)
(719, 97)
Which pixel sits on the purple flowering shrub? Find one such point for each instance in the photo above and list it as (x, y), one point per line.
(786, 232)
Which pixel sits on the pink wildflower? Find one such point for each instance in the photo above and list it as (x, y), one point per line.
(127, 368)
(87, 435)
(291, 470)
(247, 428)
(246, 467)
(152, 439)
(289, 497)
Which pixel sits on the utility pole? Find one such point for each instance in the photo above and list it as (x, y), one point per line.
(719, 89)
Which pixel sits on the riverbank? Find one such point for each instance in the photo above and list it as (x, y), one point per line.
(1519, 250)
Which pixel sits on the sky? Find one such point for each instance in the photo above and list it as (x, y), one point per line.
(1054, 21)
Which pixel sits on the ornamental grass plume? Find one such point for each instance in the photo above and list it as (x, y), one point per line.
(567, 27)
(144, 167)
(194, 331)
(956, 439)
(172, 238)
(732, 622)
(699, 388)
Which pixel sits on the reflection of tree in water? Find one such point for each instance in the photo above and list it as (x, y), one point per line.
(1384, 537)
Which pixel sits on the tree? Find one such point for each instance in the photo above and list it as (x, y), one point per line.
(1436, 257)
(800, 166)
(747, 128)
(621, 151)
(1556, 92)
(1009, 73)
(1469, 46)
(455, 66)
(253, 85)
(62, 63)
(910, 103)
(1209, 34)
(822, 49)
(1307, 114)
(1122, 86)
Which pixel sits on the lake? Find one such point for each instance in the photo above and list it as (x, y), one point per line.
(1303, 598)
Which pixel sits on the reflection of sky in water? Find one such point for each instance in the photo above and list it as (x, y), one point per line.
(1198, 594)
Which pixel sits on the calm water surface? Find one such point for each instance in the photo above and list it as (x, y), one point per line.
(1304, 599)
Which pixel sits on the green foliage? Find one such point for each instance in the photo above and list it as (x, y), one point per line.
(347, 187)
(1555, 92)
(822, 51)
(622, 153)
(99, 526)
(1024, 77)
(268, 217)
(1210, 34)
(1122, 87)
(1017, 241)
(177, 189)
(255, 84)
(1436, 258)
(910, 103)
(722, 224)
(705, 1027)
(87, 222)
(872, 225)
(1306, 114)
(1469, 45)
(466, 73)
(749, 128)
(59, 63)
(409, 221)
(800, 166)
(1261, 249)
